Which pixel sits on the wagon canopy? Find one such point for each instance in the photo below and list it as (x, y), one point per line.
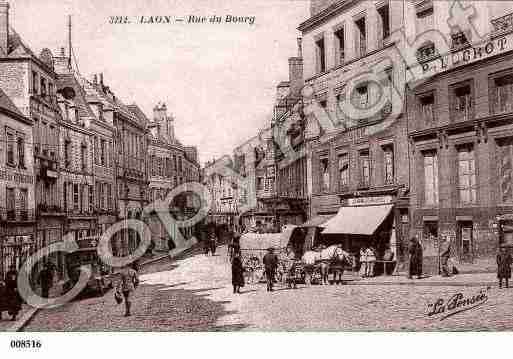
(256, 241)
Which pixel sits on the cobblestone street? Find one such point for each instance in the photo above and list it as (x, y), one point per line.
(195, 294)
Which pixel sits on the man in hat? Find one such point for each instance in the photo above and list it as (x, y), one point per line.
(270, 264)
(445, 254)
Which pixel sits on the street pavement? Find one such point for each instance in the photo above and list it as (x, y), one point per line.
(195, 294)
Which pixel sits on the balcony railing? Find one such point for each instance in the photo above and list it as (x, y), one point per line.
(46, 208)
(503, 24)
(17, 215)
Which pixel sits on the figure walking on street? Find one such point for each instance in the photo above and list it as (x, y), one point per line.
(11, 295)
(237, 273)
(416, 254)
(503, 266)
(213, 242)
(127, 284)
(445, 254)
(363, 262)
(46, 279)
(270, 264)
(371, 260)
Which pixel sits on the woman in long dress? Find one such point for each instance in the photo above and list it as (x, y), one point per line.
(237, 273)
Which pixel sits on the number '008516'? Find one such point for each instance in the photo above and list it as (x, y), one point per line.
(25, 344)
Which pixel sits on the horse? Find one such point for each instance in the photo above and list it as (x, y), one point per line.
(332, 257)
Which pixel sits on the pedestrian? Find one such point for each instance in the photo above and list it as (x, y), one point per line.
(371, 260)
(363, 261)
(11, 294)
(270, 264)
(503, 266)
(237, 273)
(416, 253)
(46, 279)
(213, 243)
(127, 284)
(445, 254)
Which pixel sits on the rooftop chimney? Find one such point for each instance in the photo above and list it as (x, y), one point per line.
(4, 27)
(95, 79)
(101, 78)
(299, 48)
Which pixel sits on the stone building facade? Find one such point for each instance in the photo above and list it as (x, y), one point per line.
(461, 134)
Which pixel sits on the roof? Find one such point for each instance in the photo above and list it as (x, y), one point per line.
(69, 80)
(362, 220)
(8, 105)
(318, 221)
(261, 242)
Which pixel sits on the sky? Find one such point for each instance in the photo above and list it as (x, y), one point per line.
(218, 80)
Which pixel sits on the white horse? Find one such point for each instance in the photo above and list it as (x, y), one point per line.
(331, 257)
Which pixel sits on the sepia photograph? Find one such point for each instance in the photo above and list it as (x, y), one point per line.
(255, 166)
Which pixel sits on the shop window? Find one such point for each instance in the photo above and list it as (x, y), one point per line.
(340, 46)
(388, 152)
(502, 96)
(426, 108)
(361, 37)
(365, 168)
(430, 178)
(465, 232)
(343, 171)
(461, 98)
(505, 163)
(466, 175)
(384, 19)
(325, 175)
(320, 55)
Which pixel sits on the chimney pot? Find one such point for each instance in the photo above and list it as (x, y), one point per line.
(299, 47)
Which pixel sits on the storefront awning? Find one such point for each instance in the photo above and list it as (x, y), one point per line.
(357, 220)
(318, 221)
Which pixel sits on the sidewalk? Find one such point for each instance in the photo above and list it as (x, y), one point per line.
(27, 312)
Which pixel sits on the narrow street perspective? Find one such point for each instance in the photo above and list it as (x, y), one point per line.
(195, 294)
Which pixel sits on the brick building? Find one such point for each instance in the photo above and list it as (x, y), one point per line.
(357, 165)
(461, 133)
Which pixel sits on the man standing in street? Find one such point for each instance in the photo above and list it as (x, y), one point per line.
(127, 284)
(46, 279)
(445, 254)
(270, 264)
(416, 254)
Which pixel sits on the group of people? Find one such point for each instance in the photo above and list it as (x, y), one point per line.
(367, 261)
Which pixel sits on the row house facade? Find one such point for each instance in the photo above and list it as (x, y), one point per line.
(461, 134)
(30, 83)
(170, 165)
(17, 196)
(354, 167)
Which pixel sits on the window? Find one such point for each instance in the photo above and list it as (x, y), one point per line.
(21, 151)
(503, 96)
(384, 19)
(91, 198)
(389, 164)
(65, 195)
(103, 152)
(320, 55)
(462, 103)
(83, 159)
(361, 97)
(361, 37)
(466, 175)
(43, 87)
(323, 103)
(10, 203)
(343, 171)
(430, 178)
(430, 231)
(365, 168)
(426, 108)
(260, 183)
(10, 147)
(50, 90)
(459, 40)
(325, 175)
(35, 87)
(67, 153)
(339, 46)
(76, 200)
(505, 162)
(424, 16)
(23, 203)
(426, 52)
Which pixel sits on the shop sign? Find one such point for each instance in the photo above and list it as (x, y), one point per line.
(467, 55)
(9, 175)
(366, 201)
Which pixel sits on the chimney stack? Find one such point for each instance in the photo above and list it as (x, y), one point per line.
(101, 78)
(299, 47)
(95, 79)
(4, 27)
